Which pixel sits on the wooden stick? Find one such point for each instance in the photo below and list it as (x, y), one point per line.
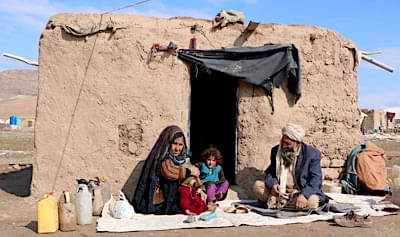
(377, 63)
(22, 59)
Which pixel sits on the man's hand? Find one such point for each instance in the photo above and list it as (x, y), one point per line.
(275, 190)
(301, 202)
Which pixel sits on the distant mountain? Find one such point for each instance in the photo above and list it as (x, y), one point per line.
(18, 82)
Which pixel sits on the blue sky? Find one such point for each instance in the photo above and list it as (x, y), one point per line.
(370, 24)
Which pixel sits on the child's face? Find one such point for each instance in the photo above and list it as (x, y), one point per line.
(211, 162)
(177, 146)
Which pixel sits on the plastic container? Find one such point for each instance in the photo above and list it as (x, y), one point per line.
(100, 189)
(83, 205)
(66, 212)
(13, 120)
(47, 214)
(105, 189)
(18, 121)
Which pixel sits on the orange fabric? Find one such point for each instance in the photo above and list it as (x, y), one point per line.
(371, 169)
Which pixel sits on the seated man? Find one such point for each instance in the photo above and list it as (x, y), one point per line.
(294, 174)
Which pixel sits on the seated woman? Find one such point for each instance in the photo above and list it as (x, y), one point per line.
(166, 166)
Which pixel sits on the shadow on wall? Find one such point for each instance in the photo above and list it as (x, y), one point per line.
(248, 90)
(246, 179)
(130, 185)
(17, 182)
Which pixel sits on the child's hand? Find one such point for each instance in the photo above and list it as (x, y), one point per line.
(203, 195)
(188, 212)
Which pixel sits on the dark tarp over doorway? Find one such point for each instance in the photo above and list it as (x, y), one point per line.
(267, 66)
(214, 87)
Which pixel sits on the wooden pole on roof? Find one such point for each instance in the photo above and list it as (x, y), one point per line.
(22, 59)
(365, 55)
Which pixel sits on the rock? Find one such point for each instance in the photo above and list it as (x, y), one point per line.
(330, 173)
(325, 162)
(336, 163)
(236, 192)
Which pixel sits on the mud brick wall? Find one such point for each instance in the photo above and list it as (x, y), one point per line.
(127, 100)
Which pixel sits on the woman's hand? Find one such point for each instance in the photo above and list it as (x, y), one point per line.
(194, 171)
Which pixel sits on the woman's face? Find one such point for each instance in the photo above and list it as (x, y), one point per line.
(211, 162)
(177, 146)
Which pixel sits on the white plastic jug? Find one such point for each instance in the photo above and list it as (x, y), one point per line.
(83, 204)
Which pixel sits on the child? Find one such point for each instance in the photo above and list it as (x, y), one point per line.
(192, 198)
(212, 176)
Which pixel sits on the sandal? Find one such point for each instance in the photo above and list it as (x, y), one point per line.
(237, 209)
(351, 219)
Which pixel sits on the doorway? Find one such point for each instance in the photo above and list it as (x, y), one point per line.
(213, 118)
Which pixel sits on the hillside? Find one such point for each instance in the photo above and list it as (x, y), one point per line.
(18, 82)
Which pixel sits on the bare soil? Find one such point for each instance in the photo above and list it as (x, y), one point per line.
(17, 218)
(18, 210)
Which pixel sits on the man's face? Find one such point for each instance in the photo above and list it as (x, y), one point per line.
(177, 146)
(289, 150)
(288, 144)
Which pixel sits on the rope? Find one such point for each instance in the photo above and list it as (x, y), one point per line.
(81, 89)
(128, 6)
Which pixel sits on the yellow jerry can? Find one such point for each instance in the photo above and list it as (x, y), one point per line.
(47, 214)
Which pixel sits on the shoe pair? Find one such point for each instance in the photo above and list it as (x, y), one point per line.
(351, 219)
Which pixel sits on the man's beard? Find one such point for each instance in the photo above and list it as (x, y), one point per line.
(288, 156)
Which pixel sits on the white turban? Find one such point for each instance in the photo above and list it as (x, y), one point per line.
(294, 132)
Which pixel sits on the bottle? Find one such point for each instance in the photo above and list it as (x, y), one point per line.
(83, 205)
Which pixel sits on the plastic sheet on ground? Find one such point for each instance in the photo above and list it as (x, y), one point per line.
(140, 222)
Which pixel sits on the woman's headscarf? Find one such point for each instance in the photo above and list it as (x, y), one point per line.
(148, 180)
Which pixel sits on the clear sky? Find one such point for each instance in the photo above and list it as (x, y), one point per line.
(371, 24)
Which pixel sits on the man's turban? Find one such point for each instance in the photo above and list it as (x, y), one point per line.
(294, 132)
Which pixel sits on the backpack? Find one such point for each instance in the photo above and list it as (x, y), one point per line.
(365, 171)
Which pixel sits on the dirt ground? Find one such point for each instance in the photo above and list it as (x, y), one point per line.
(18, 209)
(17, 218)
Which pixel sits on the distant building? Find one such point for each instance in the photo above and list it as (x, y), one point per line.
(377, 119)
(392, 117)
(374, 120)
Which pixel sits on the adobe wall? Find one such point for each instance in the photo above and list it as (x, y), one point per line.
(126, 101)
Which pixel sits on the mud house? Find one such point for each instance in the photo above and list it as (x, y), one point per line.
(374, 119)
(130, 94)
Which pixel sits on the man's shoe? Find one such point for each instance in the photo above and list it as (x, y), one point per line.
(351, 219)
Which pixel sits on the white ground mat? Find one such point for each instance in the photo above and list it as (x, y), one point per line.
(141, 222)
